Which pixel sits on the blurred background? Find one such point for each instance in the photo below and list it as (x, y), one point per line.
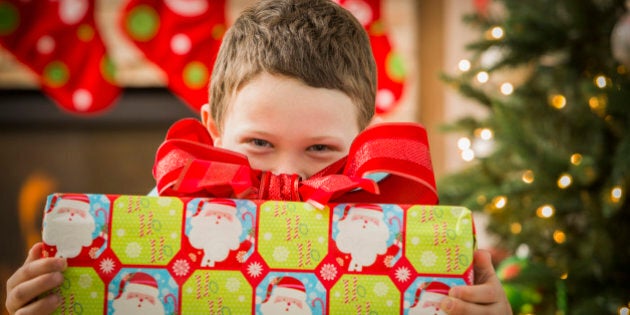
(526, 105)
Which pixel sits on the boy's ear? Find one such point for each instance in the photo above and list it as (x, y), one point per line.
(208, 122)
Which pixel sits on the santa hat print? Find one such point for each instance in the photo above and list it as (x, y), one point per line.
(433, 287)
(286, 287)
(139, 282)
(72, 201)
(224, 205)
(365, 209)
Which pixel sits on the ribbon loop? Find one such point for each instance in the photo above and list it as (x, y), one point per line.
(187, 164)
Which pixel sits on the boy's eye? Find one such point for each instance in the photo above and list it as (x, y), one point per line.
(260, 143)
(319, 148)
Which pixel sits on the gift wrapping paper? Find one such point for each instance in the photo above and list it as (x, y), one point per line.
(171, 255)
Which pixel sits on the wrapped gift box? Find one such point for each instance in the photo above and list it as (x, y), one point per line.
(169, 255)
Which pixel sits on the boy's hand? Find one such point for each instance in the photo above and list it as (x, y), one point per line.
(485, 297)
(37, 276)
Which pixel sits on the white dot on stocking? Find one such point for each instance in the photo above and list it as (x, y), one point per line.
(384, 99)
(72, 11)
(82, 100)
(45, 45)
(180, 44)
(188, 7)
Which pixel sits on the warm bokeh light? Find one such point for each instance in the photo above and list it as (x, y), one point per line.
(499, 202)
(528, 176)
(463, 143)
(559, 236)
(565, 180)
(545, 211)
(558, 101)
(576, 159)
(463, 65)
(516, 228)
(497, 32)
(601, 81)
(507, 88)
(616, 193)
(483, 77)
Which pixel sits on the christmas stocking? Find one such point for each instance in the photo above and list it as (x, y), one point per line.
(182, 37)
(388, 62)
(58, 40)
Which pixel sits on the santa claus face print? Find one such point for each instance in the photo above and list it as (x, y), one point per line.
(287, 127)
(363, 234)
(287, 295)
(215, 230)
(69, 225)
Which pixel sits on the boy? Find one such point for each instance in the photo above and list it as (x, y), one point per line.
(289, 79)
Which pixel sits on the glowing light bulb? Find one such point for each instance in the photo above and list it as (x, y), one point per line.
(559, 236)
(558, 101)
(497, 32)
(463, 65)
(468, 155)
(601, 81)
(486, 134)
(528, 176)
(545, 211)
(499, 202)
(576, 159)
(483, 77)
(564, 276)
(463, 143)
(516, 228)
(565, 181)
(507, 88)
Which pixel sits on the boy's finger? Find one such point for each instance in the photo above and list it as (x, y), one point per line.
(453, 306)
(45, 305)
(28, 291)
(483, 266)
(33, 269)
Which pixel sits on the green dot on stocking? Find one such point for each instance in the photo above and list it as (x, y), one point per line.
(9, 18)
(142, 23)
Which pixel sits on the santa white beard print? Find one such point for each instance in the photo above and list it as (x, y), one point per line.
(363, 241)
(136, 306)
(272, 307)
(216, 237)
(69, 236)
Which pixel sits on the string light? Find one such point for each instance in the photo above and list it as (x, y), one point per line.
(516, 228)
(601, 81)
(576, 159)
(559, 236)
(564, 276)
(528, 177)
(558, 101)
(463, 143)
(507, 88)
(496, 32)
(483, 77)
(499, 202)
(616, 193)
(598, 104)
(545, 211)
(565, 181)
(463, 65)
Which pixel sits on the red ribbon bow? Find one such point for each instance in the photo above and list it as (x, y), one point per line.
(187, 164)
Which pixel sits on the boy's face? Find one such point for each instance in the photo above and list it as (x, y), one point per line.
(285, 126)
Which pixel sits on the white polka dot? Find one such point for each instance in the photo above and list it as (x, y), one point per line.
(72, 11)
(82, 100)
(45, 45)
(361, 10)
(188, 7)
(385, 99)
(180, 44)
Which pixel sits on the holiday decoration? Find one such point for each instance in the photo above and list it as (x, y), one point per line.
(172, 255)
(59, 41)
(180, 37)
(556, 178)
(390, 68)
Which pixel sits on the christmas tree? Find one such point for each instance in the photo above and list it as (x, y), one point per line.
(550, 163)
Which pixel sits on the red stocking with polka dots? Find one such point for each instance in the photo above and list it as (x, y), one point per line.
(182, 37)
(59, 41)
(388, 62)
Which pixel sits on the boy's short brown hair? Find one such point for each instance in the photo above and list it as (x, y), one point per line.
(314, 41)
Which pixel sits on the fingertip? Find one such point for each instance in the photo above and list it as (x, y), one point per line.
(454, 292)
(447, 304)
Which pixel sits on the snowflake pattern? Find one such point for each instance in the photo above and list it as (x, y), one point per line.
(428, 258)
(380, 289)
(233, 284)
(133, 250)
(85, 281)
(328, 272)
(254, 269)
(181, 267)
(107, 265)
(280, 253)
(403, 274)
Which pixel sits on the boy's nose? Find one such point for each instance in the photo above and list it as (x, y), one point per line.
(288, 165)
